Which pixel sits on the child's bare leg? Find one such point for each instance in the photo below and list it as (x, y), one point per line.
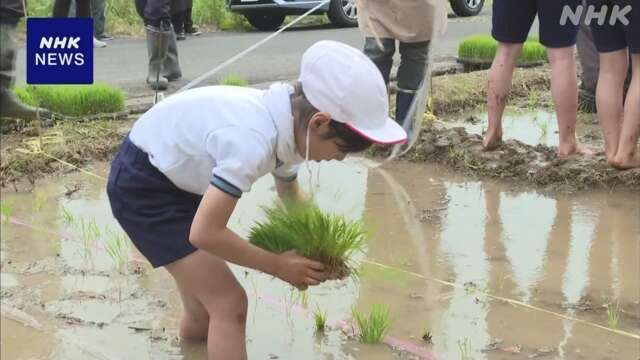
(564, 90)
(194, 322)
(498, 89)
(627, 156)
(211, 282)
(609, 98)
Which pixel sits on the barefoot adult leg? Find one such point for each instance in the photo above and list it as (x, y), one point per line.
(498, 89)
(609, 99)
(564, 90)
(627, 156)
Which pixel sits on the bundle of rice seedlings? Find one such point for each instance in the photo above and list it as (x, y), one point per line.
(327, 238)
(479, 50)
(234, 80)
(73, 100)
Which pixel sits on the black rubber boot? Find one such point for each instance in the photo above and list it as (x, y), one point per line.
(403, 105)
(10, 106)
(189, 29)
(177, 20)
(158, 39)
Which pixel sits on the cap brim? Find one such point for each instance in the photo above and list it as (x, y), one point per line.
(389, 134)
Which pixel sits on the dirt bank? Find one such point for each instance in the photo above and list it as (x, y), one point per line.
(538, 165)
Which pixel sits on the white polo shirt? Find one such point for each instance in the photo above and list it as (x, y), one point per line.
(221, 135)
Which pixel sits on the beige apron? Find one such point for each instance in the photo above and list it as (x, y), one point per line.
(404, 20)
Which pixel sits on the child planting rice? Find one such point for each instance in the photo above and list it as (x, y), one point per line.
(303, 227)
(178, 176)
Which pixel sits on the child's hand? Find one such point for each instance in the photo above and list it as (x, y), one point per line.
(298, 270)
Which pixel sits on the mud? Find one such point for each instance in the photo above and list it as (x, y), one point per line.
(528, 154)
(510, 271)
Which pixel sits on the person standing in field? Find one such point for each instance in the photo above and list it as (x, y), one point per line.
(182, 22)
(11, 11)
(411, 23)
(512, 21)
(164, 65)
(180, 172)
(619, 119)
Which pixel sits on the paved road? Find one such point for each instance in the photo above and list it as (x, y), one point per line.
(123, 62)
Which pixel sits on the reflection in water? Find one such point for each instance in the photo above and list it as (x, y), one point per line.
(463, 246)
(526, 221)
(556, 252)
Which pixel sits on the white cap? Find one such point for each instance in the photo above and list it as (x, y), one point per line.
(342, 81)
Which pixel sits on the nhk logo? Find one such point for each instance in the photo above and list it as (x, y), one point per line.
(59, 51)
(53, 58)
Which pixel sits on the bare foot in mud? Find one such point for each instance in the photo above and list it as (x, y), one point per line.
(574, 149)
(625, 163)
(492, 140)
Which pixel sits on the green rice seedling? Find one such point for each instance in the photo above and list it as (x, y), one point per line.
(483, 48)
(40, 201)
(68, 217)
(74, 100)
(544, 128)
(6, 209)
(464, 346)
(304, 298)
(234, 80)
(320, 319)
(89, 233)
(327, 238)
(374, 326)
(117, 246)
(613, 315)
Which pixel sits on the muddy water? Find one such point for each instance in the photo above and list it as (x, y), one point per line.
(529, 127)
(511, 272)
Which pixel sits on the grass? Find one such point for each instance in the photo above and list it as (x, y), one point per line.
(320, 319)
(74, 100)
(6, 209)
(483, 48)
(462, 92)
(613, 315)
(373, 326)
(122, 18)
(234, 80)
(464, 346)
(317, 235)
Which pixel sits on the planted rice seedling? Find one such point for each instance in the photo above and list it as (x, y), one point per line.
(40, 201)
(327, 238)
(374, 326)
(320, 319)
(464, 346)
(68, 217)
(613, 315)
(117, 246)
(7, 210)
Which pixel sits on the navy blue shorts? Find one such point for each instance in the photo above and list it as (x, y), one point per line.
(512, 20)
(155, 214)
(620, 35)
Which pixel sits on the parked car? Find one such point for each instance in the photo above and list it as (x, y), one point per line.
(270, 14)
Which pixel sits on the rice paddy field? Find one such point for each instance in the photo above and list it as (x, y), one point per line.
(454, 268)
